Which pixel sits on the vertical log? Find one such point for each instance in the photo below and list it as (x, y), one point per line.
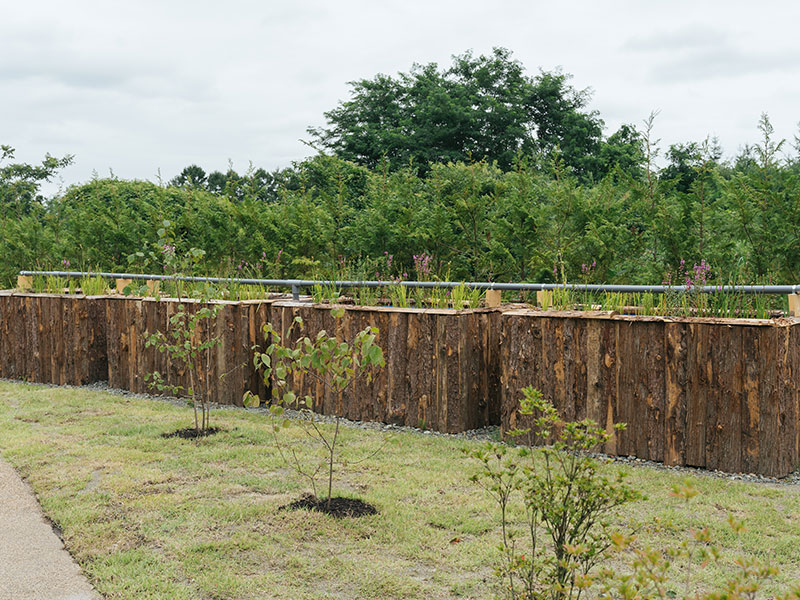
(769, 401)
(112, 344)
(83, 347)
(577, 381)
(378, 387)
(675, 410)
(57, 328)
(21, 350)
(598, 356)
(420, 359)
(5, 358)
(552, 379)
(609, 341)
(473, 399)
(751, 410)
(787, 405)
(97, 331)
(654, 391)
(142, 352)
(697, 395)
(393, 338)
(490, 324)
(70, 349)
(724, 451)
(457, 358)
(794, 386)
(34, 372)
(627, 401)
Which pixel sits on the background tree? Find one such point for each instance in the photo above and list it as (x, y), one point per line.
(480, 108)
(28, 229)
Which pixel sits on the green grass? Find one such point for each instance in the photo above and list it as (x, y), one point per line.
(148, 517)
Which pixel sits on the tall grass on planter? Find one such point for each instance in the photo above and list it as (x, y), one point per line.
(463, 296)
(325, 292)
(56, 285)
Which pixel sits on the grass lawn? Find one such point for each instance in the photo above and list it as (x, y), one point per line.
(149, 517)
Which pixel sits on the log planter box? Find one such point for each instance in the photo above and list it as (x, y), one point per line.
(51, 338)
(442, 369)
(714, 393)
(441, 373)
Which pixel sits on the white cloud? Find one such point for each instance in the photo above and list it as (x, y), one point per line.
(147, 85)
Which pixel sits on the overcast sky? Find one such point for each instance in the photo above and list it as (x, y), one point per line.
(142, 86)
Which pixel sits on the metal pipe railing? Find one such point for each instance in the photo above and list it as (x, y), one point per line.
(297, 285)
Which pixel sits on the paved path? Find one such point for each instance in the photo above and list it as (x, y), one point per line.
(33, 562)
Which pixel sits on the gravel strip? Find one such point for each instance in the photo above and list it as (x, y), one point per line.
(491, 433)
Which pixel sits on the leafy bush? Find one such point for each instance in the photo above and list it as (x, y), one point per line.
(567, 502)
(567, 537)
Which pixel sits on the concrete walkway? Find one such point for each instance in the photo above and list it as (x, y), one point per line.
(33, 562)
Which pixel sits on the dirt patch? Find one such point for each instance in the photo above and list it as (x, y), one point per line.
(190, 433)
(337, 507)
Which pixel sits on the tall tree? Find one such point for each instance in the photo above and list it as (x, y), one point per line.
(480, 108)
(20, 182)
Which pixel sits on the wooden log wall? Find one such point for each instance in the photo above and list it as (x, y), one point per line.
(720, 394)
(48, 338)
(229, 373)
(441, 365)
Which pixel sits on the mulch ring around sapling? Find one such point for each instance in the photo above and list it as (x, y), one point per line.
(190, 433)
(338, 507)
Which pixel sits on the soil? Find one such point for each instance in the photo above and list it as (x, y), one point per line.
(190, 433)
(338, 507)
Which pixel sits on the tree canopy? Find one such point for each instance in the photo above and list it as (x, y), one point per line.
(479, 108)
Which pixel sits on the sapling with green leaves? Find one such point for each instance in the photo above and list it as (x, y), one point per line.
(567, 500)
(188, 340)
(188, 343)
(334, 363)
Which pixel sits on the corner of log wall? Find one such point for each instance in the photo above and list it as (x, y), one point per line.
(50, 338)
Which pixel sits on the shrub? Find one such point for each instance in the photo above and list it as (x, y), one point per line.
(567, 502)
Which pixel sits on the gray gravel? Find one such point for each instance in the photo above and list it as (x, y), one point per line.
(491, 433)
